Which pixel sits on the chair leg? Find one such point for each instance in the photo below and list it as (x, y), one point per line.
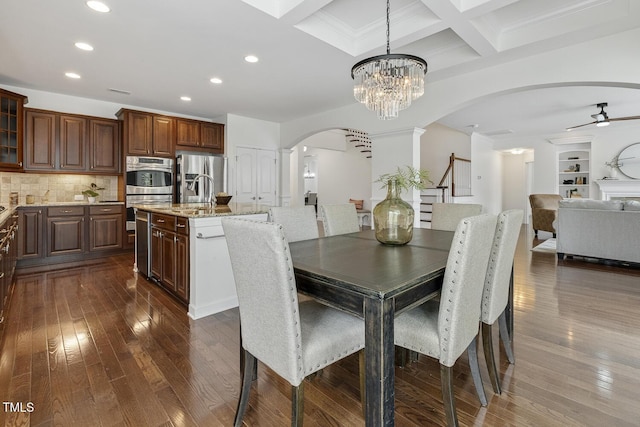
(506, 338)
(446, 378)
(363, 387)
(249, 361)
(472, 352)
(297, 405)
(489, 357)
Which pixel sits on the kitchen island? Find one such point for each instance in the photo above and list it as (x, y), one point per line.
(182, 247)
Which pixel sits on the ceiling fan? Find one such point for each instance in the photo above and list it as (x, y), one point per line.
(602, 119)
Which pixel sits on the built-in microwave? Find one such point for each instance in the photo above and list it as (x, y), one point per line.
(149, 175)
(149, 181)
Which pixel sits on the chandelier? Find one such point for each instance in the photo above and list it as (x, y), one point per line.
(388, 83)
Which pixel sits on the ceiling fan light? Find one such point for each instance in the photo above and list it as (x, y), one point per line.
(603, 123)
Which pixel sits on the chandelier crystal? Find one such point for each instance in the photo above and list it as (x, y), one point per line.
(388, 83)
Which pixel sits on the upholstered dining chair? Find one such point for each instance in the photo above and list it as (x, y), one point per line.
(496, 289)
(445, 329)
(339, 219)
(446, 216)
(293, 339)
(299, 222)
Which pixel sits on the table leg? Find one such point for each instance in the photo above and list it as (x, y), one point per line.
(379, 362)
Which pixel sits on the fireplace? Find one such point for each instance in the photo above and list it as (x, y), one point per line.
(614, 189)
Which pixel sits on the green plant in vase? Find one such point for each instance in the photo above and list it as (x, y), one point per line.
(393, 217)
(92, 192)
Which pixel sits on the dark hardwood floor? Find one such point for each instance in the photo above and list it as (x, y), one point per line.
(98, 345)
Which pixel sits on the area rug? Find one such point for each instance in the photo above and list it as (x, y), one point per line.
(548, 246)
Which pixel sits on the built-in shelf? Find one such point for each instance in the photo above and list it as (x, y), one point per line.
(573, 173)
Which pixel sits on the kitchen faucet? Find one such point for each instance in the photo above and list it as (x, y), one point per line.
(193, 183)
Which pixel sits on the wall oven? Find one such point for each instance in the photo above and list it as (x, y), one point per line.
(149, 182)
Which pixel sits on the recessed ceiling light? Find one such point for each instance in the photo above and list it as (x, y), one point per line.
(215, 81)
(98, 6)
(251, 58)
(84, 46)
(72, 75)
(185, 98)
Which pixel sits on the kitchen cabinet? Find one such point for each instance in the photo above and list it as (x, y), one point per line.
(255, 176)
(170, 254)
(206, 136)
(11, 129)
(147, 134)
(104, 146)
(65, 226)
(8, 257)
(71, 143)
(40, 140)
(68, 233)
(105, 227)
(30, 236)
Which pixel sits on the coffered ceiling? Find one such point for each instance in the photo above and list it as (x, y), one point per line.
(158, 51)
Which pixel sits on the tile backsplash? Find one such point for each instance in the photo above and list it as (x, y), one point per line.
(61, 187)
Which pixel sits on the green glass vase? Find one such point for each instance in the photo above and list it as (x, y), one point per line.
(393, 218)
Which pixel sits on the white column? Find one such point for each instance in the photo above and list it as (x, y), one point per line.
(390, 150)
(285, 177)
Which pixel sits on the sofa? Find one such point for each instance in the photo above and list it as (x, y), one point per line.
(599, 229)
(544, 209)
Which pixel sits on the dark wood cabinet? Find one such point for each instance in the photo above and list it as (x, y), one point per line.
(40, 140)
(30, 236)
(104, 146)
(8, 257)
(212, 137)
(56, 142)
(192, 134)
(182, 258)
(11, 129)
(170, 254)
(105, 228)
(147, 134)
(65, 226)
(73, 142)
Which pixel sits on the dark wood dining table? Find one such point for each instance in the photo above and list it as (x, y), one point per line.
(355, 273)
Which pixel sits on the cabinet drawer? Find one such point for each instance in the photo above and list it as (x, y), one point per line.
(65, 211)
(104, 210)
(182, 225)
(167, 222)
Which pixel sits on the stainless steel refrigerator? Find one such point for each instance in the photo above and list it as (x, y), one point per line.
(199, 177)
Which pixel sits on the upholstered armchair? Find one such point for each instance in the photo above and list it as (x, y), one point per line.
(544, 210)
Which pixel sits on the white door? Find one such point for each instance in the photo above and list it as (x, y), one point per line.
(255, 176)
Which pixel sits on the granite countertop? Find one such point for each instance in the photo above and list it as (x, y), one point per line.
(76, 203)
(10, 209)
(204, 210)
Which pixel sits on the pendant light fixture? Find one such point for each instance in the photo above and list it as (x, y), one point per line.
(388, 83)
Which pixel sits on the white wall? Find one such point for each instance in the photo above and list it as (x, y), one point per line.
(514, 181)
(437, 144)
(486, 175)
(342, 173)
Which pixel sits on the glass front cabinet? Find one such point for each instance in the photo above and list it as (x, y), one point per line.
(11, 128)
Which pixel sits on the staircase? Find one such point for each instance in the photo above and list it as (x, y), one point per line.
(456, 182)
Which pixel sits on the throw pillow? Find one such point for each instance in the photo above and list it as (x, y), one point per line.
(358, 203)
(632, 205)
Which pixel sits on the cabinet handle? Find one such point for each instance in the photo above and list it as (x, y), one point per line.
(181, 225)
(160, 221)
(1, 275)
(105, 210)
(66, 211)
(253, 198)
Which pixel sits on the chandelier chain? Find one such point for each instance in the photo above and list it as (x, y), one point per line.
(388, 25)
